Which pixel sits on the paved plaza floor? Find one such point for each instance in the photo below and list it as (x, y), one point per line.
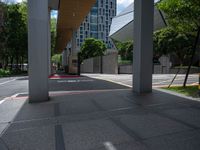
(99, 115)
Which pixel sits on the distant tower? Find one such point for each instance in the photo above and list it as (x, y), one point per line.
(97, 23)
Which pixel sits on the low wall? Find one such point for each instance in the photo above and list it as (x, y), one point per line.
(183, 71)
(109, 64)
(162, 68)
(158, 69)
(87, 66)
(125, 69)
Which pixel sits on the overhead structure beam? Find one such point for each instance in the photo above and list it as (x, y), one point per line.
(70, 16)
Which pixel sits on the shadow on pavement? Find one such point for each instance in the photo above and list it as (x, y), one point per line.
(105, 119)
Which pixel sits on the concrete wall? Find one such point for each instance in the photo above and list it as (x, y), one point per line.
(125, 69)
(97, 65)
(110, 64)
(183, 71)
(162, 68)
(93, 65)
(87, 66)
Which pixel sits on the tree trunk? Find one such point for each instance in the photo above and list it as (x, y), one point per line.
(22, 64)
(175, 77)
(17, 61)
(195, 47)
(11, 63)
(6, 62)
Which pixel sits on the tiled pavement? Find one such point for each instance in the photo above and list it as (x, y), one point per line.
(115, 119)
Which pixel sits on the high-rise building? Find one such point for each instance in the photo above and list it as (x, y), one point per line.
(97, 23)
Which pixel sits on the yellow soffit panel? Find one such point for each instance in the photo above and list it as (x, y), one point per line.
(71, 14)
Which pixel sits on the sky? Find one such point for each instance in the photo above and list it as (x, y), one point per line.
(121, 4)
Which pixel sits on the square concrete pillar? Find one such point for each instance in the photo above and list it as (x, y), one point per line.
(143, 46)
(38, 46)
(49, 44)
(74, 47)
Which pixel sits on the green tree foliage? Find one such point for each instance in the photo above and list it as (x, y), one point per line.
(169, 41)
(57, 58)
(92, 48)
(183, 15)
(53, 35)
(125, 50)
(14, 34)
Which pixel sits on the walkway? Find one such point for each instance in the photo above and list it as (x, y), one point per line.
(99, 115)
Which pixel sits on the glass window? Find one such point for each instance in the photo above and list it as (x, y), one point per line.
(93, 19)
(94, 35)
(93, 27)
(94, 11)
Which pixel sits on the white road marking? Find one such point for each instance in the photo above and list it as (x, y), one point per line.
(11, 97)
(15, 95)
(114, 82)
(7, 82)
(73, 81)
(2, 101)
(162, 82)
(109, 146)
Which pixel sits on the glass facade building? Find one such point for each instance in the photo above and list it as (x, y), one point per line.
(97, 23)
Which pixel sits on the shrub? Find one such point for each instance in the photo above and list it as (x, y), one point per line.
(4, 73)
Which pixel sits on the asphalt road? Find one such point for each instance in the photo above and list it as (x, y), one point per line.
(158, 80)
(15, 85)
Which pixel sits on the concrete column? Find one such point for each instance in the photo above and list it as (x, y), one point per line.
(49, 40)
(143, 46)
(38, 46)
(74, 51)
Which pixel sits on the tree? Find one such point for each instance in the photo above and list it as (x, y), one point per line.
(92, 48)
(14, 34)
(53, 35)
(57, 59)
(184, 16)
(169, 41)
(125, 50)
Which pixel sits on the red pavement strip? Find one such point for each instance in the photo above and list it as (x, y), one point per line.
(63, 76)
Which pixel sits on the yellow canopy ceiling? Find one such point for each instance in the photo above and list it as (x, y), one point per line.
(71, 14)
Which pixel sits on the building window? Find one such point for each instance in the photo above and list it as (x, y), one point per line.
(93, 27)
(94, 11)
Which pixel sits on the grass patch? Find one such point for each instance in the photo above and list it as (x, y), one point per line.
(8, 73)
(4, 73)
(192, 91)
(124, 62)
